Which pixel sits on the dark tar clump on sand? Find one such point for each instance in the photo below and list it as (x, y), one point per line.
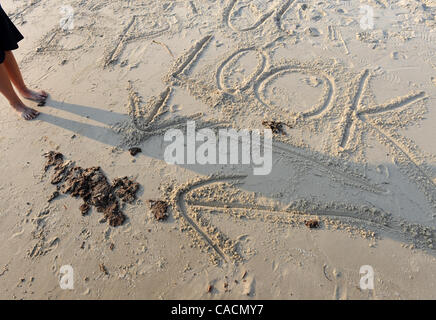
(93, 187)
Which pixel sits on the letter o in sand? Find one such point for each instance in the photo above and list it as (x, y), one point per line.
(237, 58)
(275, 73)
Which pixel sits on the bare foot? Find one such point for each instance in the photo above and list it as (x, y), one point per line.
(25, 112)
(38, 96)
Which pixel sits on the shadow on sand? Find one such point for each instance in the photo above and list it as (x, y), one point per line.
(336, 182)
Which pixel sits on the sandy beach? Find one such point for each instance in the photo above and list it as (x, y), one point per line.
(347, 87)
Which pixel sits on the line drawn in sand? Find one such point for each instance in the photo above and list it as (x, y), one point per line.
(189, 203)
(185, 62)
(147, 119)
(334, 169)
(227, 13)
(277, 12)
(136, 29)
(64, 43)
(81, 37)
(275, 72)
(19, 14)
(333, 34)
(222, 85)
(216, 241)
(355, 112)
(266, 72)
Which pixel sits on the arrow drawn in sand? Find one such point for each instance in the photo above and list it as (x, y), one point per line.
(181, 208)
(189, 204)
(147, 118)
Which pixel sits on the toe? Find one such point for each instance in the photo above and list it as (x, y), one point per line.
(30, 114)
